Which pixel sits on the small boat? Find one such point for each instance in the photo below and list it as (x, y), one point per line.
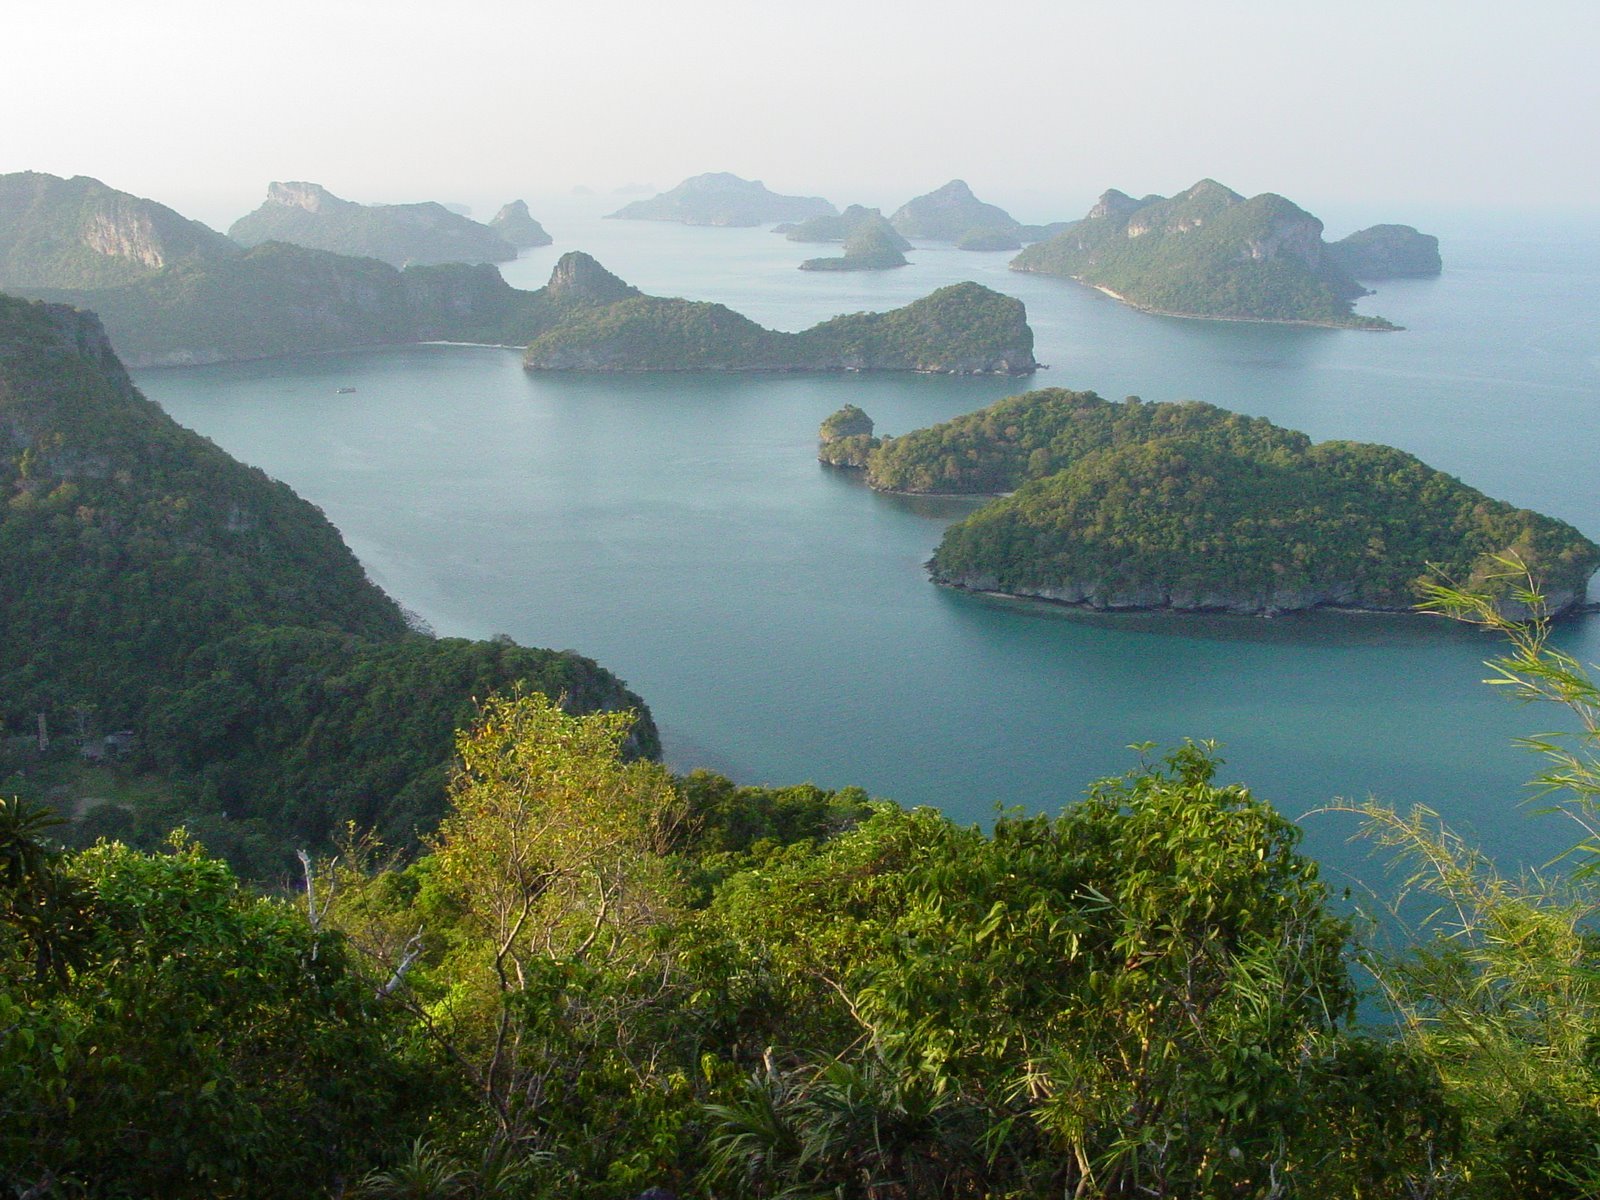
(344, 391)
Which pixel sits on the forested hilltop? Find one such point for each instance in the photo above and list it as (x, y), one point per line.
(1210, 252)
(1189, 506)
(157, 586)
(307, 214)
(602, 324)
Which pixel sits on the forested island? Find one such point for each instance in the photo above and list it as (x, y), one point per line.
(600, 324)
(721, 198)
(1210, 252)
(307, 214)
(516, 225)
(870, 242)
(1191, 507)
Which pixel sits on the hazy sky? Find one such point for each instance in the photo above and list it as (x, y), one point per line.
(1039, 106)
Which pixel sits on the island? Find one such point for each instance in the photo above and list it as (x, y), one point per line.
(216, 623)
(845, 439)
(952, 213)
(871, 245)
(1190, 507)
(840, 227)
(1208, 252)
(598, 323)
(722, 199)
(516, 225)
(307, 214)
(1387, 252)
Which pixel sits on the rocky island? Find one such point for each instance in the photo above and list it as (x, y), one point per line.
(871, 245)
(720, 198)
(1387, 252)
(516, 225)
(307, 214)
(845, 439)
(1208, 252)
(1191, 507)
(598, 323)
(952, 213)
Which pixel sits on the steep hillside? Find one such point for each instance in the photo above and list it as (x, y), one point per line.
(1206, 252)
(307, 214)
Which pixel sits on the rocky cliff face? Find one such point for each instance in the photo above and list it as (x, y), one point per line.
(578, 278)
(310, 197)
(80, 233)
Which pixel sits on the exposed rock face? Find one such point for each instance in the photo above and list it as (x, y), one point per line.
(80, 233)
(1112, 203)
(723, 199)
(949, 213)
(578, 278)
(1097, 595)
(307, 214)
(516, 224)
(1387, 252)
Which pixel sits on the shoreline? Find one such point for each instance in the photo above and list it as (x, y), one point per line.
(1572, 610)
(1189, 316)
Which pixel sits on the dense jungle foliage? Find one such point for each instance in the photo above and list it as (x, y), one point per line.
(1207, 252)
(598, 979)
(965, 328)
(1193, 505)
(155, 585)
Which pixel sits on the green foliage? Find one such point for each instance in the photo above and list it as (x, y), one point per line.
(1177, 522)
(398, 234)
(205, 1042)
(1187, 504)
(964, 328)
(163, 587)
(1496, 986)
(1207, 252)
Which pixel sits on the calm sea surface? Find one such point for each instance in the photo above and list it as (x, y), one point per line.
(775, 614)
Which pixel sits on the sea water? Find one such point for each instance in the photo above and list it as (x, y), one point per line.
(775, 613)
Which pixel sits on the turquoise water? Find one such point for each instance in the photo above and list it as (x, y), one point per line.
(775, 614)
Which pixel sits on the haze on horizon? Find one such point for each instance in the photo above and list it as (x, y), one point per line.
(1039, 105)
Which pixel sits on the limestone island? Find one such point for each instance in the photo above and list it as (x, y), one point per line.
(306, 214)
(598, 323)
(516, 225)
(1189, 507)
(872, 245)
(1387, 252)
(725, 200)
(1209, 252)
(845, 439)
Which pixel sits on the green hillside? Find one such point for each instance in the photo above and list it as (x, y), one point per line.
(1206, 252)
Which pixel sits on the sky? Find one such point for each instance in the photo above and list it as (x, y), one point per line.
(1040, 106)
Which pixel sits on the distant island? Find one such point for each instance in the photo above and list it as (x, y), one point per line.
(871, 244)
(723, 199)
(172, 292)
(1194, 508)
(953, 214)
(516, 225)
(845, 438)
(1209, 252)
(156, 587)
(599, 323)
(1387, 252)
(307, 214)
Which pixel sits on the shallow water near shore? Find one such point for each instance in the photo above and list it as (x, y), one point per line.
(775, 614)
